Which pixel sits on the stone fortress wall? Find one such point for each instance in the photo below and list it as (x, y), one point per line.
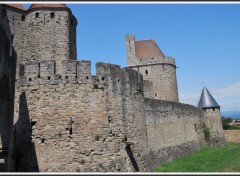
(68, 120)
(7, 84)
(102, 118)
(81, 122)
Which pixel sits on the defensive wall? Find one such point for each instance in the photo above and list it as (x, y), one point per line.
(232, 135)
(68, 120)
(79, 122)
(174, 130)
(82, 122)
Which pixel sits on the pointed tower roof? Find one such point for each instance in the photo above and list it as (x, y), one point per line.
(17, 6)
(206, 100)
(147, 49)
(47, 5)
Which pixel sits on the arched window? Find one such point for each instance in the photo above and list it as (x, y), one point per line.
(23, 18)
(36, 15)
(52, 15)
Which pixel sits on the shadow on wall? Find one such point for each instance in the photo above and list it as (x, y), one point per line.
(132, 159)
(4, 122)
(25, 153)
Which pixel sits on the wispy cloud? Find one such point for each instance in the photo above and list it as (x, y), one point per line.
(228, 97)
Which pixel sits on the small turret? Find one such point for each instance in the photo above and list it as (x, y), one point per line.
(211, 118)
(206, 100)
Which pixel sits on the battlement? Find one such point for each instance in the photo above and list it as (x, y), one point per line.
(155, 61)
(110, 76)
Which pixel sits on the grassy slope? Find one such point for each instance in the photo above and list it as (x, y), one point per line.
(218, 159)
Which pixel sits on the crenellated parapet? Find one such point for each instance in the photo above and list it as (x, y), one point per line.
(112, 77)
(155, 61)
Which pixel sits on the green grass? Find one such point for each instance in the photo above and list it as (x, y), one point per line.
(209, 159)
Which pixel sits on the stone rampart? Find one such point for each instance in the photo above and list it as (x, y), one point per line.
(174, 130)
(97, 122)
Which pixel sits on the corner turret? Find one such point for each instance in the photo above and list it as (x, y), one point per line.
(211, 118)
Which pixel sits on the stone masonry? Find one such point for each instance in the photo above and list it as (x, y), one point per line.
(156, 68)
(68, 120)
(7, 84)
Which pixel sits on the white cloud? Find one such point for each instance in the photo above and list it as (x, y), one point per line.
(228, 97)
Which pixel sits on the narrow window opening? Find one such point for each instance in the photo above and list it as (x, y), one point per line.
(12, 37)
(155, 94)
(23, 18)
(33, 123)
(42, 141)
(118, 80)
(36, 15)
(52, 15)
(49, 78)
(102, 78)
(70, 125)
(109, 119)
(38, 70)
(146, 72)
(86, 78)
(59, 76)
(30, 79)
(213, 109)
(66, 77)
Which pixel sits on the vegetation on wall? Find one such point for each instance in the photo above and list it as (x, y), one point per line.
(206, 132)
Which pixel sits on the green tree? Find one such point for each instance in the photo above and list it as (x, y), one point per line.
(226, 122)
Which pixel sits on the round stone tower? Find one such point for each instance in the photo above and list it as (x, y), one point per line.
(50, 34)
(158, 70)
(212, 118)
(15, 25)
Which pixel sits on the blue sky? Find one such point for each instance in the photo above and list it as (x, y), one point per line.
(204, 39)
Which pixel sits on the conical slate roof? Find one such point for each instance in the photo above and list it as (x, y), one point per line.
(206, 100)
